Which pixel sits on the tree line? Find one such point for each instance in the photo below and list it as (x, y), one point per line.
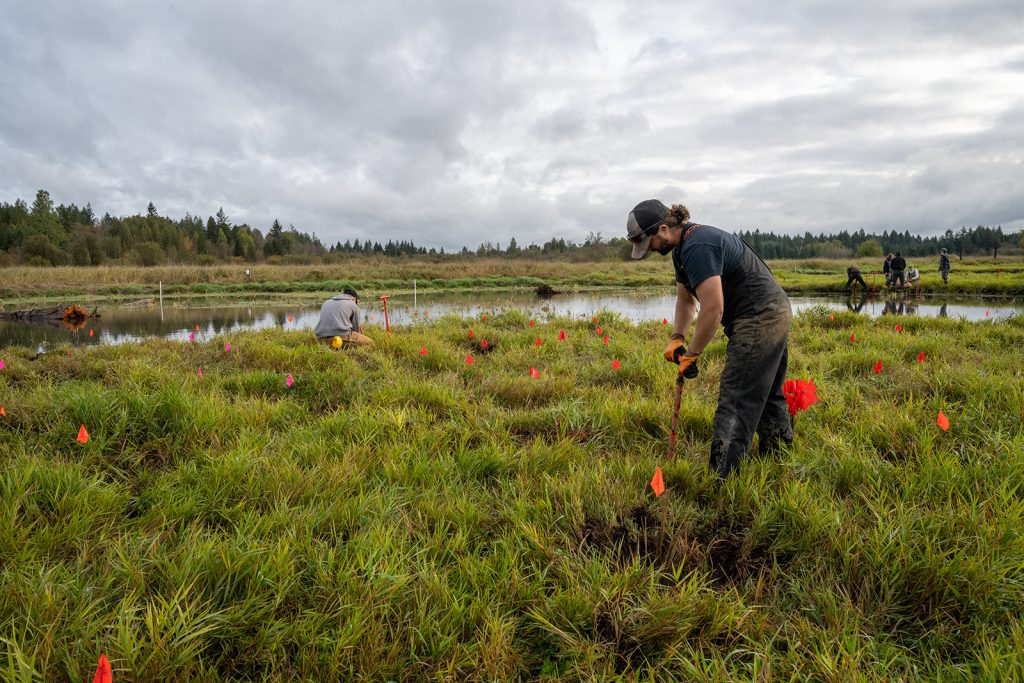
(46, 234)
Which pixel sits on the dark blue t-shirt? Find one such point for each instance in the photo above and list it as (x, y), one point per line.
(748, 287)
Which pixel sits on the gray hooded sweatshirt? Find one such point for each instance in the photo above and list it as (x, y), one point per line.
(339, 316)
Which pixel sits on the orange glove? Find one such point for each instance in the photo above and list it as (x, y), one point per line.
(688, 366)
(674, 351)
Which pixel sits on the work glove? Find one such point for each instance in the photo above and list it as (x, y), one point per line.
(688, 366)
(675, 350)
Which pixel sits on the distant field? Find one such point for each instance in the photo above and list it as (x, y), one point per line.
(400, 516)
(378, 275)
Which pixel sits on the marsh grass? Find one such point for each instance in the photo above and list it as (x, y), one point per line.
(394, 516)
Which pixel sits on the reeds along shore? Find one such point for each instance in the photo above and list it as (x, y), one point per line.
(380, 274)
(400, 514)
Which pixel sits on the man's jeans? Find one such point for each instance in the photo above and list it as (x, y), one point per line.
(750, 397)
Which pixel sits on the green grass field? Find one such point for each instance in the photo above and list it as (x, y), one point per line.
(379, 275)
(395, 516)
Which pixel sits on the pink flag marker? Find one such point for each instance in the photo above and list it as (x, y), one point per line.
(423, 350)
(606, 340)
(2, 364)
(484, 318)
(291, 319)
(199, 372)
(561, 335)
(227, 347)
(469, 360)
(599, 330)
(535, 373)
(483, 344)
(537, 342)
(471, 334)
(831, 316)
(986, 314)
(531, 323)
(899, 327)
(595, 318)
(942, 421)
(878, 366)
(197, 328)
(191, 336)
(920, 357)
(853, 338)
(90, 332)
(616, 364)
(664, 321)
(289, 381)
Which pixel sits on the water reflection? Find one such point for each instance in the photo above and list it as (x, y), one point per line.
(125, 324)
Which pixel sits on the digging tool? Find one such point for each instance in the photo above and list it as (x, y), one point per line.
(387, 324)
(689, 373)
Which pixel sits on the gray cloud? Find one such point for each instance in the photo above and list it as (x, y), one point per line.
(455, 123)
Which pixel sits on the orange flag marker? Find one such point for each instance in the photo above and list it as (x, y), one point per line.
(197, 328)
(561, 335)
(531, 323)
(103, 673)
(657, 482)
(920, 357)
(483, 344)
(853, 338)
(471, 334)
(595, 318)
(83, 436)
(90, 332)
(3, 413)
(606, 340)
(599, 330)
(423, 350)
(469, 360)
(831, 316)
(942, 421)
(878, 366)
(616, 364)
(291, 319)
(664, 321)
(537, 342)
(484, 318)
(899, 327)
(535, 373)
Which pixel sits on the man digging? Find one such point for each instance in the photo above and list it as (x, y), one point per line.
(737, 290)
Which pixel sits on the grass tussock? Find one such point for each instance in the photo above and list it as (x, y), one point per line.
(398, 515)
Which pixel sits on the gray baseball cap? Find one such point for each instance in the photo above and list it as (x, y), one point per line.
(642, 223)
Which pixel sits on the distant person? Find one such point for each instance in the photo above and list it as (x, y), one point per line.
(897, 270)
(887, 269)
(913, 276)
(853, 275)
(340, 321)
(944, 266)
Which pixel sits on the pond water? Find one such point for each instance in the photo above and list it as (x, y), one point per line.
(177, 320)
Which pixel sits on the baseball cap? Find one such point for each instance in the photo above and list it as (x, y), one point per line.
(642, 223)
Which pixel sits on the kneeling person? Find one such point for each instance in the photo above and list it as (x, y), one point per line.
(340, 317)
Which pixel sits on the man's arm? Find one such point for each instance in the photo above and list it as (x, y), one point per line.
(685, 308)
(357, 325)
(712, 305)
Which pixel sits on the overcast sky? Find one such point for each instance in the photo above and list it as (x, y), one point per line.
(451, 123)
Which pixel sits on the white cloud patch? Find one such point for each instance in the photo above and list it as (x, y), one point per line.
(456, 123)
